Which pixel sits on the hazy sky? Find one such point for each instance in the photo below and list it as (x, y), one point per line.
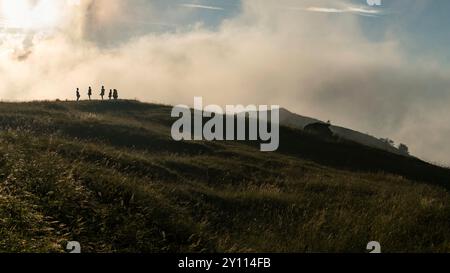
(381, 70)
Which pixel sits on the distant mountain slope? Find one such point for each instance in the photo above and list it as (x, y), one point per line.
(294, 120)
(290, 119)
(364, 139)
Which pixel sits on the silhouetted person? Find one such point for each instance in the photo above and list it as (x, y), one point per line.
(103, 92)
(89, 92)
(78, 94)
(116, 94)
(110, 94)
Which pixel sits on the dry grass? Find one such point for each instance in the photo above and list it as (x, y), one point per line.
(109, 176)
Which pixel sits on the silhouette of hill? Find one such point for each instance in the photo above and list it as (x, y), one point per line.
(108, 174)
(294, 120)
(290, 119)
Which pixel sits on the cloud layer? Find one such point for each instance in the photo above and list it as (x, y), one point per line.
(314, 63)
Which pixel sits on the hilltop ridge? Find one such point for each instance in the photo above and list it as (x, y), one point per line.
(108, 174)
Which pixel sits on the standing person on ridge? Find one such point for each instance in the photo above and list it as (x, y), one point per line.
(116, 94)
(103, 92)
(110, 94)
(78, 94)
(89, 92)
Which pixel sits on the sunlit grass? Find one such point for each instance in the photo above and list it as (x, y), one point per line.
(109, 176)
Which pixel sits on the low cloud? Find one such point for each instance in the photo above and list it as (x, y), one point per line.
(314, 64)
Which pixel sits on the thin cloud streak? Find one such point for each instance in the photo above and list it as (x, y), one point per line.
(325, 10)
(195, 6)
(352, 10)
(362, 10)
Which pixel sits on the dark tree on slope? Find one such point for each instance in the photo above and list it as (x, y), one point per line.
(403, 149)
(388, 141)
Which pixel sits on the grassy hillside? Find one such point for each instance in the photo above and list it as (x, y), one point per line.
(109, 176)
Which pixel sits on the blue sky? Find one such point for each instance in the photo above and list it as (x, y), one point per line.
(423, 27)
